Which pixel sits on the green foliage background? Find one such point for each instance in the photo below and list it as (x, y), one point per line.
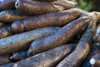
(88, 5)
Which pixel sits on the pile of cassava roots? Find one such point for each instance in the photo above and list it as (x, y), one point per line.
(48, 33)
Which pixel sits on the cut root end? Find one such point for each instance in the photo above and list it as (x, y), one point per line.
(92, 61)
(16, 4)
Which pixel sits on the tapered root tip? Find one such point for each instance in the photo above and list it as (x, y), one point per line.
(11, 58)
(92, 61)
(17, 26)
(30, 52)
(14, 58)
(17, 3)
(60, 8)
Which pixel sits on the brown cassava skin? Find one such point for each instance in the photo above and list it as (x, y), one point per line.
(49, 0)
(4, 59)
(36, 7)
(1, 24)
(48, 58)
(93, 51)
(7, 65)
(7, 4)
(66, 4)
(22, 41)
(5, 32)
(47, 20)
(84, 13)
(11, 16)
(19, 56)
(60, 37)
(95, 15)
(80, 33)
(63, 0)
(97, 60)
(45, 0)
(76, 58)
(97, 34)
(77, 37)
(80, 53)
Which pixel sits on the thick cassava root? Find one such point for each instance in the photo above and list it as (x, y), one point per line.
(22, 41)
(36, 7)
(60, 37)
(48, 58)
(46, 20)
(7, 4)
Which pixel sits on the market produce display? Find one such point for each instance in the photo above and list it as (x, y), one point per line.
(48, 33)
